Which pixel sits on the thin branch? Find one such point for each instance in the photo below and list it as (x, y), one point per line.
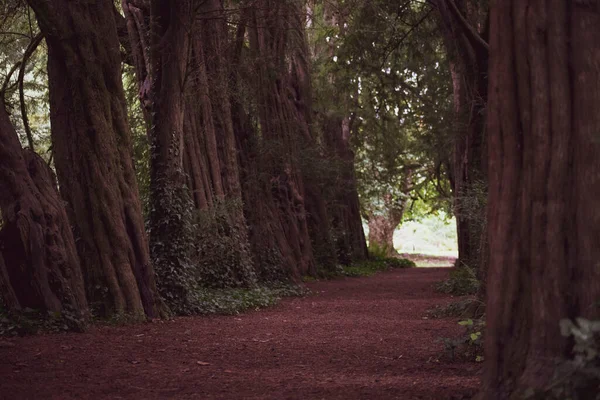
(28, 53)
(7, 80)
(468, 28)
(390, 49)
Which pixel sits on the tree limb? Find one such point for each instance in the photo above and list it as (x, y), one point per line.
(7, 80)
(470, 31)
(21, 78)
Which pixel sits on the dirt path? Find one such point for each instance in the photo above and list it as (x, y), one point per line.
(355, 338)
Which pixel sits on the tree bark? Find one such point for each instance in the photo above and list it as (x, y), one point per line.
(280, 128)
(91, 143)
(274, 257)
(39, 266)
(544, 185)
(381, 233)
(351, 244)
(468, 67)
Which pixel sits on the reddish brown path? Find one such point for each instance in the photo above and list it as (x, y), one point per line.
(355, 338)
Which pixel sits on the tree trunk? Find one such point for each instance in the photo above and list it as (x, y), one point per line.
(171, 220)
(93, 156)
(347, 225)
(318, 219)
(274, 257)
(39, 266)
(468, 67)
(544, 174)
(279, 125)
(381, 234)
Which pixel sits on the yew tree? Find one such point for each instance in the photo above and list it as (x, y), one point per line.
(39, 265)
(544, 185)
(93, 156)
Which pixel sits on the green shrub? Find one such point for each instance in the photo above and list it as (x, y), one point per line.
(393, 262)
(462, 281)
(29, 322)
(236, 300)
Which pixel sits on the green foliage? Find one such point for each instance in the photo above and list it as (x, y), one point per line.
(576, 378)
(434, 234)
(139, 136)
(378, 252)
(171, 244)
(236, 300)
(468, 346)
(462, 281)
(29, 322)
(391, 79)
(376, 264)
(222, 254)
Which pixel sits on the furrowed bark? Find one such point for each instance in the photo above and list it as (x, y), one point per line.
(92, 148)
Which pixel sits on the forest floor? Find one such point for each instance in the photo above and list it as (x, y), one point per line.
(352, 338)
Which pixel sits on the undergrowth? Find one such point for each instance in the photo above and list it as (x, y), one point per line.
(205, 301)
(374, 265)
(30, 322)
(461, 282)
(469, 345)
(577, 377)
(236, 300)
(464, 308)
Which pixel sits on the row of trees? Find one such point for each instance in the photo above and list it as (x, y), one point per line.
(235, 190)
(517, 145)
(251, 121)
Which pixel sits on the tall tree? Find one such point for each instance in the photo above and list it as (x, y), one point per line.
(281, 127)
(464, 28)
(39, 266)
(91, 142)
(199, 208)
(334, 121)
(544, 185)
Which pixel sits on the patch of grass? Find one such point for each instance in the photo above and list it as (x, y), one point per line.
(376, 264)
(462, 281)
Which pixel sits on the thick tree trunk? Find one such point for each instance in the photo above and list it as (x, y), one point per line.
(280, 129)
(351, 244)
(274, 257)
(381, 234)
(544, 174)
(171, 219)
(39, 266)
(319, 224)
(91, 143)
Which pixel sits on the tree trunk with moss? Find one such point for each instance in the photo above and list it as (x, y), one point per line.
(544, 174)
(93, 155)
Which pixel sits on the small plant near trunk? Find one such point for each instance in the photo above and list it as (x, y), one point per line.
(576, 378)
(469, 345)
